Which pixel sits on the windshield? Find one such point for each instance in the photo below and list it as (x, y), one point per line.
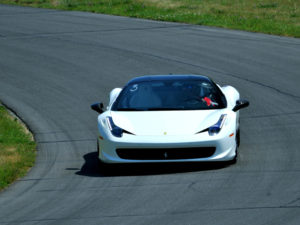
(170, 95)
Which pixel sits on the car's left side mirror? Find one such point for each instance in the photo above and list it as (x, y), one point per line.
(240, 104)
(98, 107)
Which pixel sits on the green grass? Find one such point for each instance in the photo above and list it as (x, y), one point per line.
(279, 17)
(17, 149)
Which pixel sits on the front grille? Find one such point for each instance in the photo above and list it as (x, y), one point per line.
(165, 153)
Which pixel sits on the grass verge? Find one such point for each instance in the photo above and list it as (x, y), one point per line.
(17, 149)
(279, 17)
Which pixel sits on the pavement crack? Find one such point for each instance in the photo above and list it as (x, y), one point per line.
(293, 202)
(51, 34)
(271, 115)
(65, 141)
(170, 213)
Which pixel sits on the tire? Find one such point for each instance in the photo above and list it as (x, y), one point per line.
(103, 167)
(237, 141)
(238, 138)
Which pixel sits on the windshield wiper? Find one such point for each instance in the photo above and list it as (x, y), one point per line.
(165, 108)
(130, 109)
(151, 109)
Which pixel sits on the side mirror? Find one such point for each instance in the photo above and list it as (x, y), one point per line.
(98, 107)
(242, 103)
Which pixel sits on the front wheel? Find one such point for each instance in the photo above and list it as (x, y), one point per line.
(238, 138)
(103, 167)
(237, 144)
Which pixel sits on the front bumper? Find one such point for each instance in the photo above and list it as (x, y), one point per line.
(224, 146)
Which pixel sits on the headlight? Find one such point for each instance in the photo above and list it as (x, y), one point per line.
(114, 129)
(215, 129)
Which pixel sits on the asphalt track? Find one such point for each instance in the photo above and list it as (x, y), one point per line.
(54, 64)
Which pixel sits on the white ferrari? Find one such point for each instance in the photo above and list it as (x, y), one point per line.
(170, 118)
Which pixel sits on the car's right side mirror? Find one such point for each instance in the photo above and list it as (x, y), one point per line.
(98, 107)
(240, 104)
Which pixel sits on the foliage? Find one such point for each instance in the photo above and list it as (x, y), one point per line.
(281, 17)
(17, 149)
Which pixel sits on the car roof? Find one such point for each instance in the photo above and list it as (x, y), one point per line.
(171, 77)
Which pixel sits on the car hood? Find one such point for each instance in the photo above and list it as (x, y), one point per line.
(166, 122)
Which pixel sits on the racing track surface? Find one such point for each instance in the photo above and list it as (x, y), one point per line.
(54, 64)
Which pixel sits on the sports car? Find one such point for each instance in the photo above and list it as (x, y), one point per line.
(170, 118)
